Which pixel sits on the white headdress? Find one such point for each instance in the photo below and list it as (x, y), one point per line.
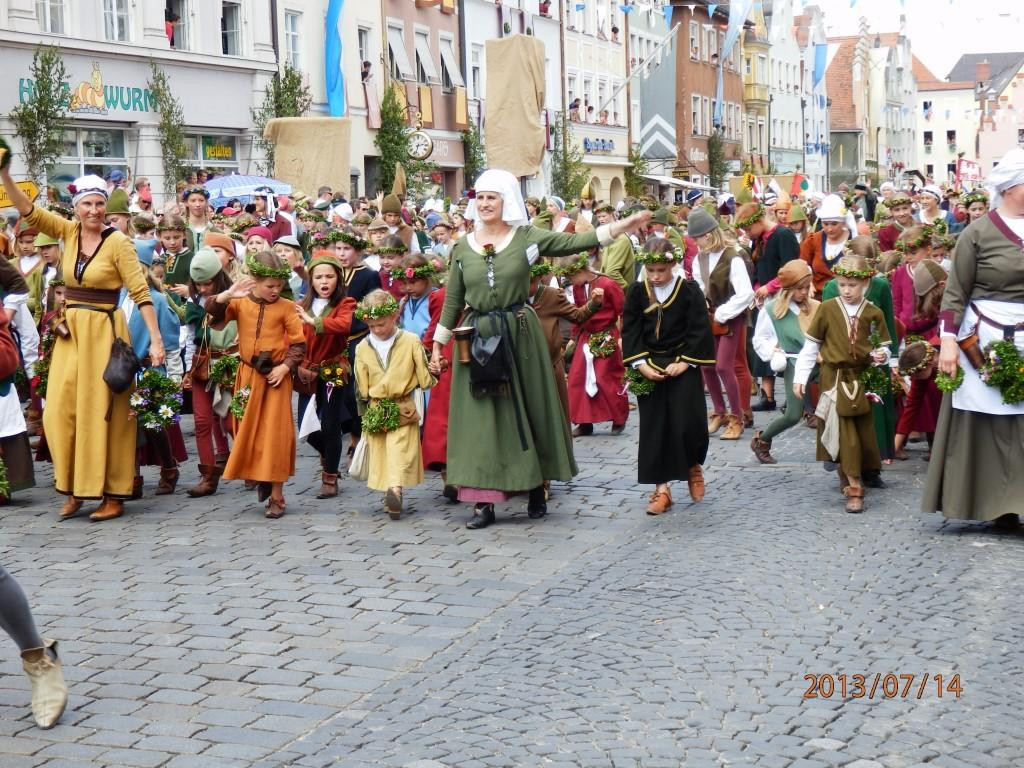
(513, 209)
(90, 184)
(1009, 173)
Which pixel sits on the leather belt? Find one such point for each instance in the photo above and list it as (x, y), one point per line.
(96, 295)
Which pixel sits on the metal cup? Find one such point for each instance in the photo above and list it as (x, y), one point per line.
(463, 342)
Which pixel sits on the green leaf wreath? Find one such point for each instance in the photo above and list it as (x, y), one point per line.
(239, 402)
(946, 383)
(223, 371)
(637, 383)
(1004, 369)
(156, 401)
(602, 344)
(41, 370)
(380, 417)
(5, 484)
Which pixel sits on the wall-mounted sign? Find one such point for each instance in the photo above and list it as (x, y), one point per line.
(598, 145)
(219, 149)
(93, 96)
(697, 155)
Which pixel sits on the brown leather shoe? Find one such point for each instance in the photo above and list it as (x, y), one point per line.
(733, 429)
(762, 449)
(328, 485)
(696, 482)
(137, 487)
(70, 508)
(716, 421)
(854, 499)
(660, 503)
(748, 418)
(209, 479)
(275, 508)
(844, 481)
(393, 503)
(168, 481)
(108, 510)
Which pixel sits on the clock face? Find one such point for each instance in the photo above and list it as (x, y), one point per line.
(420, 145)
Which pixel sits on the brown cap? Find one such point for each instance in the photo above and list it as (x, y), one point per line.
(794, 272)
(219, 240)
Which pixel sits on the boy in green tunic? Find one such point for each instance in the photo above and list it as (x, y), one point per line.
(842, 332)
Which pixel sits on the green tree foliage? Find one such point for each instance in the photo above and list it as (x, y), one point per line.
(173, 148)
(635, 171)
(476, 162)
(718, 163)
(392, 140)
(285, 96)
(568, 172)
(39, 122)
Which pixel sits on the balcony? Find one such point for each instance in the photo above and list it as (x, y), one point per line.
(756, 93)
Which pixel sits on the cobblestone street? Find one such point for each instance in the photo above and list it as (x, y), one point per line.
(200, 635)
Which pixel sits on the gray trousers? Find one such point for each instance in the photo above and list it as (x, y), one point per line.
(15, 617)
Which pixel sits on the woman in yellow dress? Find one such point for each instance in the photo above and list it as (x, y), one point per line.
(89, 430)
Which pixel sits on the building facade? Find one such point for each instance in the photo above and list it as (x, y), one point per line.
(701, 38)
(809, 31)
(787, 92)
(947, 127)
(757, 97)
(998, 80)
(107, 45)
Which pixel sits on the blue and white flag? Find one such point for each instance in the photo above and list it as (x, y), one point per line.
(738, 12)
(334, 74)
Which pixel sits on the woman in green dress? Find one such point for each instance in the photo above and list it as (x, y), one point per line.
(506, 432)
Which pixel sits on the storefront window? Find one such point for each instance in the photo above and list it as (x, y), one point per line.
(213, 152)
(99, 151)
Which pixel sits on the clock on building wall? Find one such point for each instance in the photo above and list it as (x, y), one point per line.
(420, 143)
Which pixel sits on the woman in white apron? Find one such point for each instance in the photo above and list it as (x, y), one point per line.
(975, 471)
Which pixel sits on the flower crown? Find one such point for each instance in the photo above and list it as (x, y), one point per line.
(389, 307)
(929, 355)
(898, 199)
(540, 268)
(975, 196)
(426, 272)
(198, 190)
(386, 250)
(924, 241)
(257, 269)
(753, 218)
(937, 228)
(672, 257)
(855, 274)
(576, 266)
(948, 242)
(353, 240)
(327, 237)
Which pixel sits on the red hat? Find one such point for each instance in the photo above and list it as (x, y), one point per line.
(263, 232)
(25, 229)
(145, 195)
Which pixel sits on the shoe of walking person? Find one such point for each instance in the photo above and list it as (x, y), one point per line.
(49, 691)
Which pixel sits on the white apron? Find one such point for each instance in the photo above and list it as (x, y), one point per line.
(974, 394)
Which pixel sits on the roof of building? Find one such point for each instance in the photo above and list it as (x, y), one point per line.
(921, 73)
(963, 70)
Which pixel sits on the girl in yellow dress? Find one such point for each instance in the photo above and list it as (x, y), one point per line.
(390, 363)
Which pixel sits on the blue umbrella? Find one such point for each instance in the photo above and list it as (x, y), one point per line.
(224, 188)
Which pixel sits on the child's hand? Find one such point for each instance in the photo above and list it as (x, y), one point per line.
(597, 296)
(676, 369)
(178, 290)
(879, 356)
(278, 374)
(651, 373)
(304, 315)
(240, 289)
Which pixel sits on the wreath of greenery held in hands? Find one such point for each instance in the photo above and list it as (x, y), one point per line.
(1004, 369)
(223, 371)
(602, 344)
(382, 416)
(390, 307)
(41, 377)
(672, 257)
(877, 379)
(239, 402)
(637, 383)
(946, 383)
(260, 271)
(753, 218)
(156, 401)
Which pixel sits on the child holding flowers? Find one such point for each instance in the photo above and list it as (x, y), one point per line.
(326, 314)
(271, 346)
(850, 334)
(389, 364)
(208, 379)
(666, 334)
(595, 375)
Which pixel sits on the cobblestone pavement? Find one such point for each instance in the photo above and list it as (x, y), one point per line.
(197, 634)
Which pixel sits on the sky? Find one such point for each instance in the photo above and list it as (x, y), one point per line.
(940, 31)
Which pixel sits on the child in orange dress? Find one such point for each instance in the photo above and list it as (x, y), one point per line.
(271, 345)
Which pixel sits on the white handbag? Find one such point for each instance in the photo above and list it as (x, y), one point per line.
(359, 467)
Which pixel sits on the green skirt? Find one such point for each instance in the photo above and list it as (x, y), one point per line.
(486, 447)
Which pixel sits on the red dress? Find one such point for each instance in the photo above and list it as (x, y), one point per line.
(395, 287)
(434, 443)
(610, 402)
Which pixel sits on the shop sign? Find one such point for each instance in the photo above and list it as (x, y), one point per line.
(219, 149)
(697, 155)
(598, 145)
(94, 97)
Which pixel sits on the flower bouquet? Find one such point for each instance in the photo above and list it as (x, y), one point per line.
(335, 373)
(156, 401)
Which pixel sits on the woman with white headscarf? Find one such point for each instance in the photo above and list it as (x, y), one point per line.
(975, 470)
(89, 430)
(507, 433)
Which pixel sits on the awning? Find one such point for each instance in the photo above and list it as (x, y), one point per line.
(425, 57)
(397, 47)
(669, 181)
(451, 63)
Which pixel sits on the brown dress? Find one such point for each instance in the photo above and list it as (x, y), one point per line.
(264, 447)
(551, 305)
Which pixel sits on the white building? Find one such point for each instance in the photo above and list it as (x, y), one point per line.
(947, 127)
(222, 59)
(485, 20)
(810, 33)
(786, 89)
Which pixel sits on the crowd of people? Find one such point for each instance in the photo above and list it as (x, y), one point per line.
(479, 338)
